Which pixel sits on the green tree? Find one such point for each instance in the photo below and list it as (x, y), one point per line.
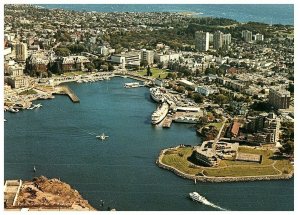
(62, 52)
(221, 99)
(197, 98)
(149, 73)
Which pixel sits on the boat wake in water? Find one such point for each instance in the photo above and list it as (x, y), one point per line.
(197, 197)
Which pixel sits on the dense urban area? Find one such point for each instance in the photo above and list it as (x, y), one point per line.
(233, 81)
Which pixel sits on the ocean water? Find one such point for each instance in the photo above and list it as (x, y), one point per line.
(59, 139)
(266, 13)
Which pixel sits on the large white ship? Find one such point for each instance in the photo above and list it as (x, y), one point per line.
(160, 113)
(157, 95)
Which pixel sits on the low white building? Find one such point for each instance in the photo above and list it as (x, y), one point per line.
(160, 57)
(205, 90)
(127, 59)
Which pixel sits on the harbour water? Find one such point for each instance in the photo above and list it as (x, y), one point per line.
(266, 13)
(59, 140)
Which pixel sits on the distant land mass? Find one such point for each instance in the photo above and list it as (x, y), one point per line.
(266, 13)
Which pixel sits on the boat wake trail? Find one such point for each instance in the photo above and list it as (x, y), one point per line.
(215, 206)
(204, 201)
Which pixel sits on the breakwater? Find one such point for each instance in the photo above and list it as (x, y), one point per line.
(66, 90)
(218, 179)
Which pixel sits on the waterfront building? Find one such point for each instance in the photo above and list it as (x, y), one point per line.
(218, 40)
(147, 56)
(21, 52)
(202, 40)
(18, 81)
(37, 63)
(187, 84)
(73, 63)
(279, 98)
(130, 59)
(265, 128)
(205, 154)
(247, 36)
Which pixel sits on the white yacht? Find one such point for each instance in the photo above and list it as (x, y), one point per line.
(197, 197)
(132, 85)
(102, 136)
(13, 110)
(160, 113)
(37, 105)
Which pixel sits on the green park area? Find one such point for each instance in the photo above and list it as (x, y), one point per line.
(28, 92)
(156, 73)
(178, 159)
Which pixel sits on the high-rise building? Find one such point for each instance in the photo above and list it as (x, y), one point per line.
(247, 35)
(147, 56)
(21, 52)
(226, 39)
(218, 40)
(279, 98)
(202, 40)
(259, 37)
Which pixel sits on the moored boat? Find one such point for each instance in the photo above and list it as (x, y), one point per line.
(160, 113)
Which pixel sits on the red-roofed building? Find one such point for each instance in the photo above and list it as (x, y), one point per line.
(232, 70)
(235, 129)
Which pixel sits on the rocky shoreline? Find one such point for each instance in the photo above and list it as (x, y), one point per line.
(42, 193)
(219, 179)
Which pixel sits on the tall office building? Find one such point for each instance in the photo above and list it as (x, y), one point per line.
(247, 35)
(21, 52)
(202, 40)
(218, 40)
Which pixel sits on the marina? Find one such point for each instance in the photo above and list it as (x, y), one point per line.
(107, 169)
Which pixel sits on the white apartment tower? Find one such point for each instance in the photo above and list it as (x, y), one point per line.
(202, 40)
(226, 39)
(147, 56)
(259, 37)
(218, 40)
(247, 35)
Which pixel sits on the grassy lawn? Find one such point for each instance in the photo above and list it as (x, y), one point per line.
(177, 158)
(284, 165)
(181, 163)
(218, 125)
(28, 92)
(155, 73)
(235, 171)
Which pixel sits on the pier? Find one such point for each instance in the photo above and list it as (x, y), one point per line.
(134, 76)
(66, 90)
(167, 122)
